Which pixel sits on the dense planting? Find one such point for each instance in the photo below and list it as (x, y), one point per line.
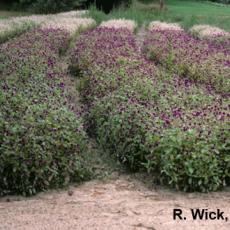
(163, 109)
(200, 60)
(42, 142)
(152, 119)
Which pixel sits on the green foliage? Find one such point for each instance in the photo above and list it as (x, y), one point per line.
(40, 148)
(151, 119)
(42, 142)
(193, 164)
(184, 160)
(121, 128)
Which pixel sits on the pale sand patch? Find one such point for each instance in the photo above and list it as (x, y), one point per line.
(121, 204)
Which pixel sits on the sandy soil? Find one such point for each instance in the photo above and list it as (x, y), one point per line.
(121, 204)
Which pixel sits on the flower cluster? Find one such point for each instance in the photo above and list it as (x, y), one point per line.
(157, 25)
(206, 31)
(150, 117)
(201, 60)
(120, 23)
(43, 139)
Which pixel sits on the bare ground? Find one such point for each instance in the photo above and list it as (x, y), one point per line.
(123, 203)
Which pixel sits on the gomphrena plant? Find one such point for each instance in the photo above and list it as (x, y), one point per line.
(42, 142)
(200, 60)
(150, 118)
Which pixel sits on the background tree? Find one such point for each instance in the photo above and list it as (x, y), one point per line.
(161, 4)
(53, 6)
(107, 6)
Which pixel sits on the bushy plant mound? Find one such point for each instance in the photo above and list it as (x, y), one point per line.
(152, 119)
(42, 142)
(12, 30)
(200, 60)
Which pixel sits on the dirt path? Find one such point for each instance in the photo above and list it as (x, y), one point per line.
(140, 36)
(120, 204)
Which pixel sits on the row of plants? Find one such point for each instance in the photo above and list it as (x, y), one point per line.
(202, 60)
(9, 29)
(72, 21)
(42, 141)
(151, 119)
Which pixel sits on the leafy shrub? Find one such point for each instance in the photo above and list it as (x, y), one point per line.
(41, 150)
(151, 119)
(41, 139)
(128, 125)
(121, 126)
(191, 163)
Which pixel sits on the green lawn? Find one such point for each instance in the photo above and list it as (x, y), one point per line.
(198, 8)
(186, 12)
